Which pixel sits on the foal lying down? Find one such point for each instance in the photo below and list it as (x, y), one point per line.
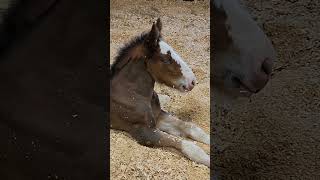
(135, 106)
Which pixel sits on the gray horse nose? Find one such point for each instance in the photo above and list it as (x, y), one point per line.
(266, 66)
(262, 76)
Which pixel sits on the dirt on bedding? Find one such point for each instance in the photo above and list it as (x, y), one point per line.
(276, 135)
(186, 28)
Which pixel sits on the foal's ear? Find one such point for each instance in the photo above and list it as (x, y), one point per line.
(153, 37)
(159, 24)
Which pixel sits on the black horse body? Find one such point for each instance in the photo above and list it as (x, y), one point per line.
(53, 91)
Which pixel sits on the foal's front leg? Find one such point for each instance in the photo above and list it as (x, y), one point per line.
(177, 127)
(155, 137)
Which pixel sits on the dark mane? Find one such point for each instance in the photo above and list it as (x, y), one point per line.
(6, 29)
(123, 52)
(14, 23)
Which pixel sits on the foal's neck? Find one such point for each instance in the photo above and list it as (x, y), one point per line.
(137, 79)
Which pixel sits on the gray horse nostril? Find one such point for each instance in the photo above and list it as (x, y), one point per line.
(193, 83)
(236, 81)
(184, 87)
(266, 66)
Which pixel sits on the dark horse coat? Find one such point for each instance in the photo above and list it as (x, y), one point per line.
(53, 90)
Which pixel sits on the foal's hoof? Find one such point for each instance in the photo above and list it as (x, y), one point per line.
(164, 99)
(195, 153)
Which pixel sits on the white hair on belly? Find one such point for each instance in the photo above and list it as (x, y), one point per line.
(185, 69)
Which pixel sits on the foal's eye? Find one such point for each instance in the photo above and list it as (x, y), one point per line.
(167, 61)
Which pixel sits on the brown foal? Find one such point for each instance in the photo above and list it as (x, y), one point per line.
(135, 106)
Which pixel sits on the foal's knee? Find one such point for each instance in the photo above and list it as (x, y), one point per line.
(146, 136)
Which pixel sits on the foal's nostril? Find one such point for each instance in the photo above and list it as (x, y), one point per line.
(193, 83)
(184, 87)
(266, 66)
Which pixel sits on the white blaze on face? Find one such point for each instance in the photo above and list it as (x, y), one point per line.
(185, 69)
